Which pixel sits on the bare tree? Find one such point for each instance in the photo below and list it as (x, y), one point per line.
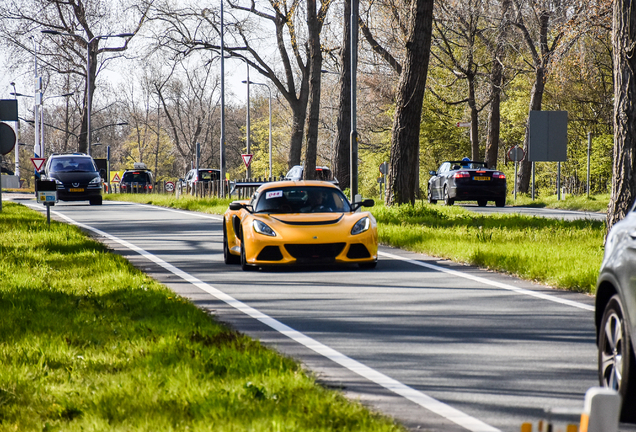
(624, 180)
(96, 19)
(542, 26)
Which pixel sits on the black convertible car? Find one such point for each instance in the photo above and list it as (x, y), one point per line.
(467, 180)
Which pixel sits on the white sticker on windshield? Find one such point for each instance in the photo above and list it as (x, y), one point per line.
(274, 194)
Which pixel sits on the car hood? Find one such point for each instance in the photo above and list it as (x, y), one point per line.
(74, 177)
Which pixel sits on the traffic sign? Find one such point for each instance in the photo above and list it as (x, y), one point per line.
(116, 178)
(516, 154)
(38, 163)
(7, 138)
(247, 159)
(169, 186)
(384, 168)
(463, 124)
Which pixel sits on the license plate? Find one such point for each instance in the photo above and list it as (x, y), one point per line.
(481, 178)
(76, 190)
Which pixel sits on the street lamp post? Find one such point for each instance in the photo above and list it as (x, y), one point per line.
(270, 121)
(88, 72)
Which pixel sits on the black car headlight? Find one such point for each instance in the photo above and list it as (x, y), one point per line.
(58, 182)
(95, 181)
(263, 228)
(361, 226)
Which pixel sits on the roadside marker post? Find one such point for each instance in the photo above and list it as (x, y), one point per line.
(46, 193)
(601, 411)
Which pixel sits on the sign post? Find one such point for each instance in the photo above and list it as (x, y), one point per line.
(46, 193)
(516, 154)
(384, 170)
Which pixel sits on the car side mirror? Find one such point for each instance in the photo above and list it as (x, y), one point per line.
(366, 203)
(235, 206)
(42, 172)
(433, 173)
(102, 173)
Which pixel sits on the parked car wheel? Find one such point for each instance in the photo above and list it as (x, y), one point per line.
(447, 199)
(482, 203)
(430, 197)
(227, 256)
(95, 201)
(500, 202)
(616, 363)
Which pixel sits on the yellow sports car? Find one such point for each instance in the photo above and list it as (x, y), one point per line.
(299, 222)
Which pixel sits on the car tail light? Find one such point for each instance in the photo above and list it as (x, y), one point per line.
(462, 174)
(498, 175)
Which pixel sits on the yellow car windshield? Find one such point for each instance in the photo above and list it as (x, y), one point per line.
(302, 199)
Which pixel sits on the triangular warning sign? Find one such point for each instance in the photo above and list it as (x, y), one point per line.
(247, 159)
(38, 163)
(116, 178)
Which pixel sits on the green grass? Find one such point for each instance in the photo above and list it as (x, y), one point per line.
(565, 254)
(595, 203)
(185, 202)
(87, 342)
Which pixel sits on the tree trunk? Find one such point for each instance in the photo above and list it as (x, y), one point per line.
(624, 181)
(83, 139)
(343, 125)
(474, 120)
(496, 82)
(494, 117)
(405, 136)
(536, 100)
(299, 112)
(315, 66)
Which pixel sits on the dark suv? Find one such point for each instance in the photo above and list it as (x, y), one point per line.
(137, 180)
(76, 176)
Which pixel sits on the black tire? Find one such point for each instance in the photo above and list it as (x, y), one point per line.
(616, 363)
(96, 201)
(500, 202)
(227, 256)
(430, 197)
(244, 265)
(482, 203)
(368, 265)
(447, 199)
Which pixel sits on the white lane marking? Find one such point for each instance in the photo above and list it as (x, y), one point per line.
(458, 417)
(489, 282)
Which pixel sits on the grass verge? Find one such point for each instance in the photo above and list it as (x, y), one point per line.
(565, 254)
(87, 342)
(595, 203)
(185, 202)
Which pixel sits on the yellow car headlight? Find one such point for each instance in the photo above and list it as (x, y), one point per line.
(263, 228)
(361, 226)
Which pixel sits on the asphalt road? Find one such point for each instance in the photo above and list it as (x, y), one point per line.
(536, 211)
(437, 345)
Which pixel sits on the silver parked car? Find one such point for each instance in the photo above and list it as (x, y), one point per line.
(616, 314)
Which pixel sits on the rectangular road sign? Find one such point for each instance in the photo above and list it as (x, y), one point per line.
(548, 131)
